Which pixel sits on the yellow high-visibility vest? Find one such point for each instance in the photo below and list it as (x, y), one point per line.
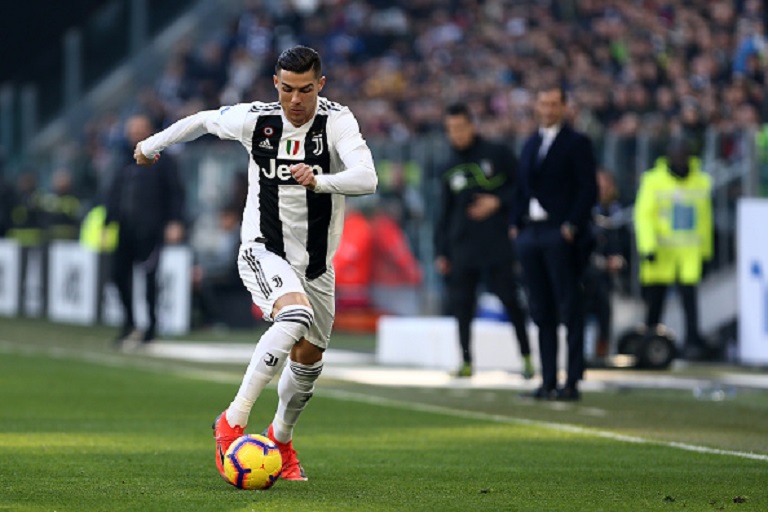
(94, 234)
(673, 221)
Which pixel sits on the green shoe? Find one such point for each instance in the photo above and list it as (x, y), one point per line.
(528, 371)
(465, 370)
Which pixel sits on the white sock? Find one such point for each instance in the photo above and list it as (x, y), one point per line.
(269, 356)
(297, 382)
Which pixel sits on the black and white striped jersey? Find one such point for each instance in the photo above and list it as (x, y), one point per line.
(300, 225)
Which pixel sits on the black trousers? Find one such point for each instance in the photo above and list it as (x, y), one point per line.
(597, 303)
(501, 281)
(656, 295)
(135, 246)
(551, 275)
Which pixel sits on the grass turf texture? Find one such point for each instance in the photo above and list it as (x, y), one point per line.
(118, 433)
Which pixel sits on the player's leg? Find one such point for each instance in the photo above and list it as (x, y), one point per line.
(297, 381)
(462, 288)
(276, 289)
(503, 283)
(272, 282)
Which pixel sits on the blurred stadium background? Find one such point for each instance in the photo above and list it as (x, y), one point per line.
(637, 72)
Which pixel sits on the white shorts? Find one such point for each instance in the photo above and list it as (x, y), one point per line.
(268, 277)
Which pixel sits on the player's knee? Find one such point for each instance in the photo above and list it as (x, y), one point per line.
(295, 320)
(290, 299)
(306, 353)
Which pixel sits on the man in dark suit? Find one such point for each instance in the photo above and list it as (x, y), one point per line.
(148, 204)
(551, 222)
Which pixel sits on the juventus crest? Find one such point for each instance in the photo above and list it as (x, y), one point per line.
(317, 140)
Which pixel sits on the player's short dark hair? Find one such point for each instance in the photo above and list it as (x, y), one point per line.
(458, 109)
(300, 59)
(551, 86)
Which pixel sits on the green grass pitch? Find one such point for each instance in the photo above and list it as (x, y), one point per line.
(98, 431)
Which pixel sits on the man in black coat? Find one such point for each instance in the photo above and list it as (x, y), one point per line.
(147, 203)
(471, 237)
(551, 223)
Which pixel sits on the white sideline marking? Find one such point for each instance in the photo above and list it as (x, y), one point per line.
(117, 361)
(562, 427)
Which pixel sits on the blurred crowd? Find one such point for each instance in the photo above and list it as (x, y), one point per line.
(661, 67)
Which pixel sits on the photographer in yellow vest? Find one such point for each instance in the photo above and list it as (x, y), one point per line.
(673, 229)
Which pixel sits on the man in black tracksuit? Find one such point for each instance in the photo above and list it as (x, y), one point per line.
(147, 203)
(471, 237)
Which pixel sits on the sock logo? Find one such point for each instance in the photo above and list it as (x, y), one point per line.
(270, 360)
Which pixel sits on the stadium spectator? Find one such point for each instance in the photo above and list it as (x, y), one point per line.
(674, 231)
(6, 204)
(551, 223)
(215, 273)
(472, 242)
(62, 208)
(148, 205)
(27, 214)
(609, 258)
(306, 153)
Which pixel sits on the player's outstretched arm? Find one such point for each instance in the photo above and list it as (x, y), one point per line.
(225, 123)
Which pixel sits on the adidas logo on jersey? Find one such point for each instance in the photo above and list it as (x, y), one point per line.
(265, 144)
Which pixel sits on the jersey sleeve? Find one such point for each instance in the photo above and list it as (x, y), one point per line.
(358, 176)
(225, 123)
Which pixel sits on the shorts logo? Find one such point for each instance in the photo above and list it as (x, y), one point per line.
(270, 360)
(277, 281)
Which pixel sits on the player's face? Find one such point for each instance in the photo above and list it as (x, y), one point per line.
(460, 131)
(298, 94)
(550, 107)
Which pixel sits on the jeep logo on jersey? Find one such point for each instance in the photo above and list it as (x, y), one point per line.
(281, 172)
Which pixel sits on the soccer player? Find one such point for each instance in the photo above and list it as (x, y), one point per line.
(306, 153)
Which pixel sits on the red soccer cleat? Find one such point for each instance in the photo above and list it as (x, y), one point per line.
(292, 469)
(225, 435)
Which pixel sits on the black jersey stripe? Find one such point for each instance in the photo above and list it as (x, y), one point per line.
(319, 210)
(268, 128)
(319, 206)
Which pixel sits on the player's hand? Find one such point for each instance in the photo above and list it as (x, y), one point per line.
(141, 159)
(483, 206)
(303, 175)
(442, 265)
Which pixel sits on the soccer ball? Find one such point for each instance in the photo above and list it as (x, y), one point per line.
(252, 462)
